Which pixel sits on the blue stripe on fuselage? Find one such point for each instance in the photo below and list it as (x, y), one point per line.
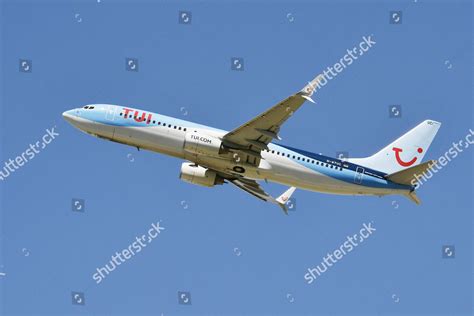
(372, 178)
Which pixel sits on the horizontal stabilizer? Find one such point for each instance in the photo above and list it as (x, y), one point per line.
(284, 198)
(407, 176)
(412, 196)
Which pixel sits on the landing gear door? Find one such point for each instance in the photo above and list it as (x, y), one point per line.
(359, 175)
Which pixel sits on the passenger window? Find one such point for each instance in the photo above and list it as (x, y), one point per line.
(298, 158)
(294, 156)
(185, 129)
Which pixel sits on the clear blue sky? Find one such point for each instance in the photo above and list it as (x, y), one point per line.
(78, 51)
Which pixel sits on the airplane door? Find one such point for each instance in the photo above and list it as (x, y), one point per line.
(107, 130)
(359, 175)
(110, 111)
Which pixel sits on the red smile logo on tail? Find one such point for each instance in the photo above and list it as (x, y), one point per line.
(405, 163)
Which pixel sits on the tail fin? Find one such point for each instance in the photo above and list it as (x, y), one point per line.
(407, 151)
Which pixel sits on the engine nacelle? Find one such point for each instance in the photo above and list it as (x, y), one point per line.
(199, 175)
(201, 144)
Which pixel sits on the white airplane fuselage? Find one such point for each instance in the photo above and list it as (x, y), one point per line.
(281, 164)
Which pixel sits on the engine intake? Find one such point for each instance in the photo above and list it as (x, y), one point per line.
(199, 175)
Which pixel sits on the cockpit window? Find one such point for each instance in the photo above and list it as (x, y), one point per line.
(87, 107)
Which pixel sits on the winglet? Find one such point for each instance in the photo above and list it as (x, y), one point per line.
(282, 199)
(308, 98)
(309, 89)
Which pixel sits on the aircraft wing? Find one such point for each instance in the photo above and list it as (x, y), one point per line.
(252, 187)
(254, 136)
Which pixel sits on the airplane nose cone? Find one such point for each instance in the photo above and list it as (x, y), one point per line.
(68, 116)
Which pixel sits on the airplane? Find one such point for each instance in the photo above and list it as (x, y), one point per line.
(246, 155)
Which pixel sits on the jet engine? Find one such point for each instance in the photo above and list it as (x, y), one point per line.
(201, 144)
(195, 174)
